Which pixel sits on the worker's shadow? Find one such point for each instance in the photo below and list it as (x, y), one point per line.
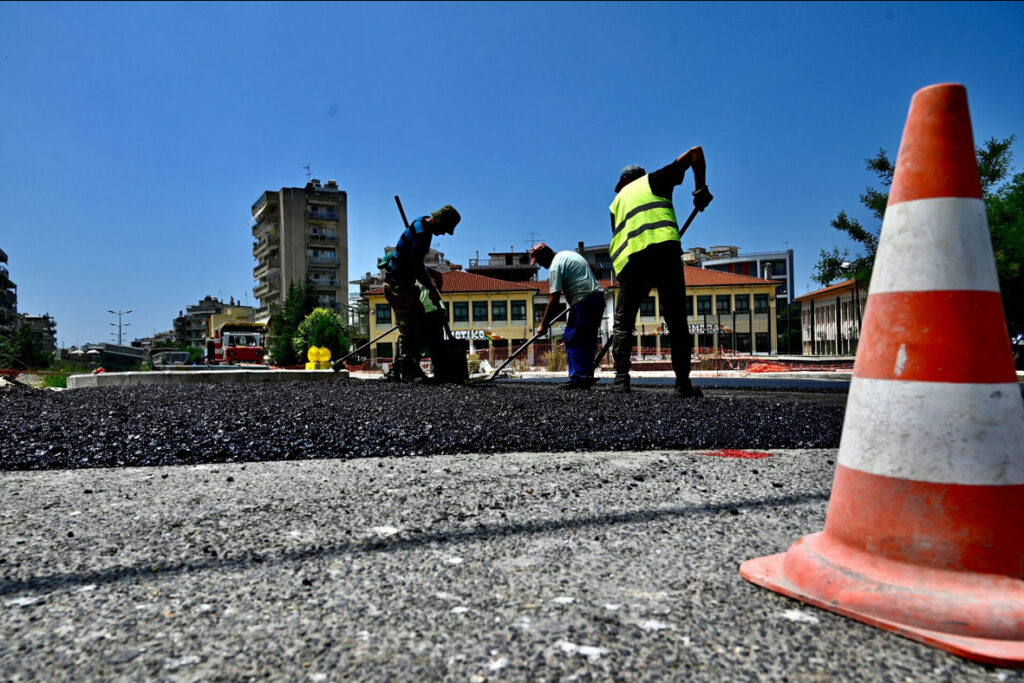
(156, 568)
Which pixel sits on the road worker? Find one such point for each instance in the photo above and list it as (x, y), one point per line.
(646, 253)
(570, 274)
(402, 272)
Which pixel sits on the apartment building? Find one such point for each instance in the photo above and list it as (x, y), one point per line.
(192, 325)
(300, 230)
(773, 265)
(45, 326)
(8, 297)
(831, 319)
(511, 266)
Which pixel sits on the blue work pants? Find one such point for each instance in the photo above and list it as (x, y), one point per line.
(581, 336)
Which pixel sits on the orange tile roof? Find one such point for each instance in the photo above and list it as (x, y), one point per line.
(837, 287)
(705, 277)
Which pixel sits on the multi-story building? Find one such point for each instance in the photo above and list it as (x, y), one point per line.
(298, 231)
(775, 265)
(511, 266)
(192, 326)
(8, 297)
(831, 319)
(45, 326)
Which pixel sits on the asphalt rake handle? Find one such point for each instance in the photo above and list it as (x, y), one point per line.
(522, 348)
(340, 363)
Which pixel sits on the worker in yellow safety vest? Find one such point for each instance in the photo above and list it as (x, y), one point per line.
(646, 253)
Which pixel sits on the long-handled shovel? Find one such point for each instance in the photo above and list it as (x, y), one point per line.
(340, 363)
(521, 349)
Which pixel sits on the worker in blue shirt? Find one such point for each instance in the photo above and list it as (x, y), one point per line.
(403, 270)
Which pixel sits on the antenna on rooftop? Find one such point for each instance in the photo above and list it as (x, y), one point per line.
(309, 173)
(533, 238)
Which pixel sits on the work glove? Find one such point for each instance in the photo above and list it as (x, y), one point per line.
(702, 197)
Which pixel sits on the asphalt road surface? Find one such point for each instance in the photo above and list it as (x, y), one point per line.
(590, 565)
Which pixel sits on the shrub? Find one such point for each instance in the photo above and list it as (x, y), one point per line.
(322, 327)
(557, 359)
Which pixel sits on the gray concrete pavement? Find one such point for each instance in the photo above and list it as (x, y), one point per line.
(223, 375)
(606, 566)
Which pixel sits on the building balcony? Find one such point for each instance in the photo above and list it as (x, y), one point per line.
(327, 284)
(265, 225)
(322, 215)
(324, 260)
(264, 267)
(264, 247)
(321, 238)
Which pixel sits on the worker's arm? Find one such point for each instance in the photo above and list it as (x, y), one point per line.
(549, 312)
(665, 179)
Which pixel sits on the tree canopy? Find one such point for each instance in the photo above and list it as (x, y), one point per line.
(1004, 203)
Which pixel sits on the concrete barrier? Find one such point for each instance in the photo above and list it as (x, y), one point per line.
(133, 379)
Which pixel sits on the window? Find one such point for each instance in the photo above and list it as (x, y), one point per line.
(538, 311)
(722, 304)
(703, 305)
(518, 310)
(383, 314)
(689, 305)
(647, 307)
(460, 312)
(761, 342)
(480, 311)
(760, 303)
(499, 312)
(384, 350)
(743, 303)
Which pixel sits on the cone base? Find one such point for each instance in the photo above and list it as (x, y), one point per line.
(769, 572)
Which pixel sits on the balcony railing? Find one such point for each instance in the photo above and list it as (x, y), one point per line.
(326, 283)
(324, 260)
(322, 215)
(317, 237)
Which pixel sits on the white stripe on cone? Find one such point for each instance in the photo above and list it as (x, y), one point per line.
(943, 432)
(935, 244)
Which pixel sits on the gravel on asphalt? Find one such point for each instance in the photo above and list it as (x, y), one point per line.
(190, 424)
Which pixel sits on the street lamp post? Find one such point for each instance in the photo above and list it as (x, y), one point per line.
(119, 325)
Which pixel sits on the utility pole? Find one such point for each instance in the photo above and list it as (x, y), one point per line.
(119, 325)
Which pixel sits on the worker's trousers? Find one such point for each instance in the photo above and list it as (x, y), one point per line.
(580, 337)
(405, 302)
(660, 267)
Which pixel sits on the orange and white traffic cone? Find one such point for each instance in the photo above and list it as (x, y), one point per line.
(925, 528)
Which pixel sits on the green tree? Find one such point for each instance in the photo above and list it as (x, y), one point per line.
(1004, 205)
(322, 327)
(299, 303)
(23, 349)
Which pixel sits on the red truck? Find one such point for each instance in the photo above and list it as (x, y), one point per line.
(236, 343)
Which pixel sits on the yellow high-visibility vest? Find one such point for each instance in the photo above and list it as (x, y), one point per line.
(641, 219)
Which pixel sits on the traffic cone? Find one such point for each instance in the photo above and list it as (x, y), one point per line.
(925, 528)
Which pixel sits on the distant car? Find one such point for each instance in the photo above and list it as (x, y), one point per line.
(163, 359)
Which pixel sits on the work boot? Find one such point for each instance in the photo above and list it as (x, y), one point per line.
(687, 390)
(574, 386)
(620, 385)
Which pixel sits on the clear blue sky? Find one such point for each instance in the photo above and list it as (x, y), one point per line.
(135, 137)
